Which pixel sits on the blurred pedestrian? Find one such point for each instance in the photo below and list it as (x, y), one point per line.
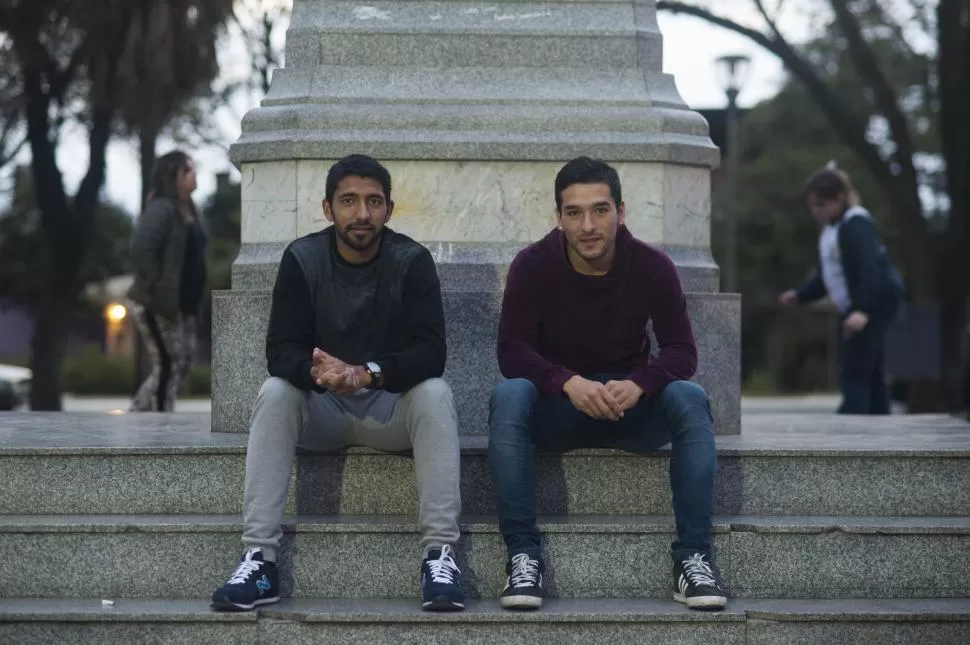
(168, 253)
(854, 270)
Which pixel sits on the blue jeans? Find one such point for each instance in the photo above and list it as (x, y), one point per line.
(681, 415)
(862, 372)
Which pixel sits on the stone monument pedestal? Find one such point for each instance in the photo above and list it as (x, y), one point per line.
(473, 107)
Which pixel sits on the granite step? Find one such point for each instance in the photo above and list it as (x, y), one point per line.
(187, 556)
(155, 464)
(570, 622)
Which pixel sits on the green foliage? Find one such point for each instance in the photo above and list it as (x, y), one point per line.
(760, 382)
(169, 56)
(222, 215)
(905, 56)
(198, 382)
(24, 250)
(91, 373)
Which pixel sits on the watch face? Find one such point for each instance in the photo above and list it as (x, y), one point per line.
(374, 368)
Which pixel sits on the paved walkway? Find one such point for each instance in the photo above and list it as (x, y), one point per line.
(763, 433)
(117, 404)
(814, 404)
(754, 405)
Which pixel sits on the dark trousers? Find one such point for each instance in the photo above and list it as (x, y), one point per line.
(862, 371)
(520, 419)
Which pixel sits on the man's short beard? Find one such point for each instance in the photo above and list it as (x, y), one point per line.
(352, 243)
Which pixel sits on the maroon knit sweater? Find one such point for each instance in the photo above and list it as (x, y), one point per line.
(556, 322)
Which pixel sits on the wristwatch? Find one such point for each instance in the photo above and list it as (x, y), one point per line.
(376, 376)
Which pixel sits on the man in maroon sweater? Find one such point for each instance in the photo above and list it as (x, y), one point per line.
(573, 344)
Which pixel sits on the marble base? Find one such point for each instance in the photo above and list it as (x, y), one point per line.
(458, 209)
(470, 266)
(477, 201)
(239, 366)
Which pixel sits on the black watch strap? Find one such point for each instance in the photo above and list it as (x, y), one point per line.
(376, 377)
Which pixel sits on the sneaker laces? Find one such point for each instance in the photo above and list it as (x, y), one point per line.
(443, 568)
(699, 571)
(525, 571)
(246, 568)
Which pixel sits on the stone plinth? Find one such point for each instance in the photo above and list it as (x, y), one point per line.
(473, 107)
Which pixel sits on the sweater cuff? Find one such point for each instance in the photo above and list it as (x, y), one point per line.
(552, 385)
(652, 382)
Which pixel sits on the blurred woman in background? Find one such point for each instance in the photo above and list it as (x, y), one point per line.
(854, 270)
(168, 253)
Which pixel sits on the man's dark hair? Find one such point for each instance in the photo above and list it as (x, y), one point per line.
(358, 166)
(583, 170)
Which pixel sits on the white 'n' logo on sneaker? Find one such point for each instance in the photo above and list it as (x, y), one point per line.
(682, 584)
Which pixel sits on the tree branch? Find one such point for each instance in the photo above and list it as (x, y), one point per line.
(48, 184)
(885, 95)
(102, 116)
(921, 15)
(60, 79)
(768, 19)
(7, 157)
(897, 28)
(847, 125)
(690, 10)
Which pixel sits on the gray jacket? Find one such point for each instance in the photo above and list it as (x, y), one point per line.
(158, 253)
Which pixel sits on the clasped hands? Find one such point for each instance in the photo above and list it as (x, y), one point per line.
(602, 401)
(337, 376)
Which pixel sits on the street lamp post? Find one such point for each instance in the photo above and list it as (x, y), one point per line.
(733, 72)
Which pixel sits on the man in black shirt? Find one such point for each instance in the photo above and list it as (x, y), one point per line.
(355, 351)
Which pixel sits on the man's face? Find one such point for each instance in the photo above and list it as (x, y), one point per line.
(590, 220)
(359, 212)
(825, 211)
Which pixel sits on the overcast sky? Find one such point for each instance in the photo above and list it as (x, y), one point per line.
(690, 50)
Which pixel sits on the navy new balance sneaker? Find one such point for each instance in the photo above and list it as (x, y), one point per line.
(255, 582)
(441, 581)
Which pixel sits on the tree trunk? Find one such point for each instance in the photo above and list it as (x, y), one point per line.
(48, 347)
(916, 255)
(147, 142)
(953, 316)
(953, 24)
(954, 280)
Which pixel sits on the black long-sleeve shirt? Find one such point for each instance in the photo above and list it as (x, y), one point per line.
(388, 311)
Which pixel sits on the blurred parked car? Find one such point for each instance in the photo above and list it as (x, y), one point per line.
(14, 386)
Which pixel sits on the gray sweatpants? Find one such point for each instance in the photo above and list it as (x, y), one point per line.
(423, 420)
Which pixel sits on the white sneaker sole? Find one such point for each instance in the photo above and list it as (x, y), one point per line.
(702, 602)
(226, 605)
(520, 602)
(442, 605)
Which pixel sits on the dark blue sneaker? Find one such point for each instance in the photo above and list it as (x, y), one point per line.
(441, 581)
(254, 583)
(698, 583)
(523, 587)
